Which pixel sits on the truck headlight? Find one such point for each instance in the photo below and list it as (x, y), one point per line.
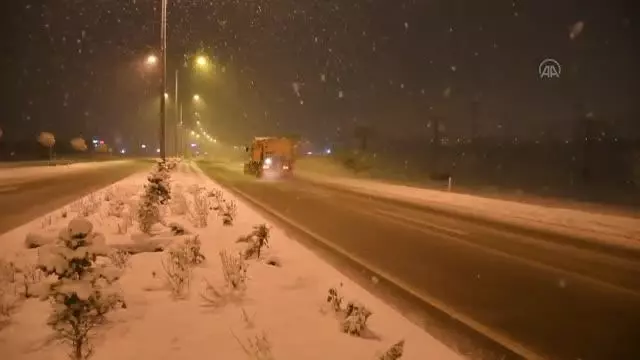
(268, 161)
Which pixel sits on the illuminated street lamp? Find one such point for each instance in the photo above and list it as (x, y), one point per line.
(196, 97)
(152, 60)
(201, 61)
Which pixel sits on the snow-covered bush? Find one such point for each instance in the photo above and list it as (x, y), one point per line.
(178, 271)
(234, 270)
(256, 241)
(335, 299)
(355, 319)
(89, 205)
(217, 199)
(353, 316)
(119, 259)
(191, 247)
(82, 291)
(228, 212)
(395, 352)
(200, 213)
(30, 275)
(157, 192)
(148, 214)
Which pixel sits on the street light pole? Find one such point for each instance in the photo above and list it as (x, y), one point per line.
(163, 51)
(177, 106)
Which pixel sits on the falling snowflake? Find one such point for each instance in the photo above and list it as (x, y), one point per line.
(296, 88)
(576, 30)
(340, 94)
(323, 77)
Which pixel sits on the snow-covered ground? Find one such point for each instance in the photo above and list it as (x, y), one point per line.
(31, 172)
(610, 229)
(284, 296)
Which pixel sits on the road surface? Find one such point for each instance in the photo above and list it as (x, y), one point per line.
(536, 296)
(22, 200)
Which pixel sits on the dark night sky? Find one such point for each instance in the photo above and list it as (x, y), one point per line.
(75, 66)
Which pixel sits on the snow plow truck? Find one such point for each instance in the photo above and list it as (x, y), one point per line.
(271, 157)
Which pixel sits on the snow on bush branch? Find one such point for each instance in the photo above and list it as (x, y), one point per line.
(81, 291)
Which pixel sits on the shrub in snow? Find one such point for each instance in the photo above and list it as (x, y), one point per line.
(217, 197)
(354, 315)
(30, 275)
(335, 299)
(228, 212)
(200, 213)
(191, 247)
(119, 259)
(177, 270)
(157, 188)
(82, 292)
(234, 270)
(355, 319)
(257, 240)
(88, 205)
(258, 348)
(395, 352)
(156, 193)
(148, 215)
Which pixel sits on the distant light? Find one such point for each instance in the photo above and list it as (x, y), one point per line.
(309, 153)
(196, 97)
(166, 95)
(143, 146)
(193, 145)
(101, 142)
(328, 151)
(94, 141)
(123, 151)
(158, 150)
(215, 141)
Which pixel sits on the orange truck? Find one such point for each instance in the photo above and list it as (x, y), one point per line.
(271, 157)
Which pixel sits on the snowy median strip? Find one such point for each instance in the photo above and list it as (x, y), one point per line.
(174, 267)
(608, 229)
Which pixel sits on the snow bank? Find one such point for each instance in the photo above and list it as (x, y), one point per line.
(281, 309)
(34, 172)
(609, 229)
